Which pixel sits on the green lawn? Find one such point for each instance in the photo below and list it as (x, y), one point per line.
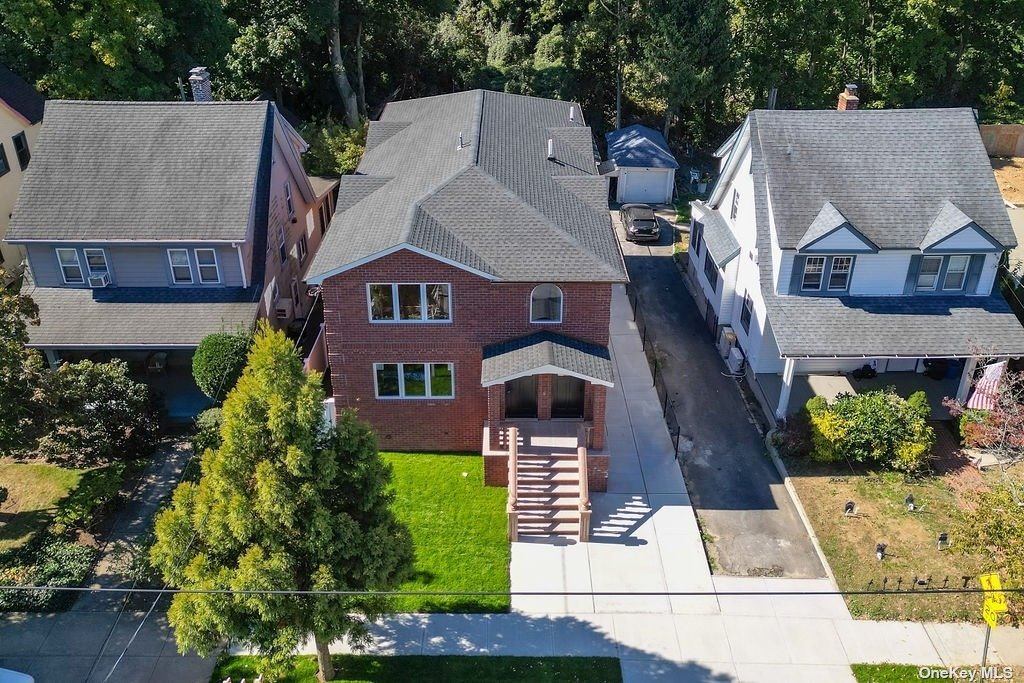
(450, 669)
(886, 673)
(458, 527)
(34, 489)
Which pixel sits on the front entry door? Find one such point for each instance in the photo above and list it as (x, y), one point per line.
(521, 398)
(567, 396)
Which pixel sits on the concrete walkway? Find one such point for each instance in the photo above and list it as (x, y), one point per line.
(83, 643)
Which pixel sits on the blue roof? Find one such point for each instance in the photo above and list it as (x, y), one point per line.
(638, 145)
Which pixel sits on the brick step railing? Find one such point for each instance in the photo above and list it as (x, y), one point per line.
(548, 494)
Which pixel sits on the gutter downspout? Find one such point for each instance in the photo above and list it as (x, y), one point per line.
(241, 265)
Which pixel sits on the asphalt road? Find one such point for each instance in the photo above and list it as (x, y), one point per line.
(736, 491)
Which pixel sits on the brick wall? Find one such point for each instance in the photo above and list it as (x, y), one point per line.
(483, 313)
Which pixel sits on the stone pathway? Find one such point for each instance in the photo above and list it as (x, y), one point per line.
(83, 643)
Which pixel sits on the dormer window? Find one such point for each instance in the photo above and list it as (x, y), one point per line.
(928, 276)
(814, 270)
(839, 278)
(956, 273)
(70, 267)
(546, 304)
(828, 273)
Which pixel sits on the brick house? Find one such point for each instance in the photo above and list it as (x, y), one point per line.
(466, 277)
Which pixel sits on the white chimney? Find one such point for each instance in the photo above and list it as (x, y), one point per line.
(199, 79)
(572, 114)
(551, 148)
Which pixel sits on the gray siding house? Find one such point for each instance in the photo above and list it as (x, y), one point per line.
(149, 225)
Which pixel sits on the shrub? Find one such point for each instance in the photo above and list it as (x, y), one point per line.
(47, 561)
(875, 427)
(207, 431)
(967, 426)
(97, 488)
(218, 362)
(95, 413)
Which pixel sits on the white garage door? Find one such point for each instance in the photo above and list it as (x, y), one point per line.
(649, 187)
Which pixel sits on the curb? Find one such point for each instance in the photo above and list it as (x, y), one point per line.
(788, 483)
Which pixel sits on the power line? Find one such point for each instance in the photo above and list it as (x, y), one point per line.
(365, 593)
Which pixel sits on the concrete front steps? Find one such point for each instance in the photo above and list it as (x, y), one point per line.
(548, 493)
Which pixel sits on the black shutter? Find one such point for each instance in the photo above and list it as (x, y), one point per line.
(796, 277)
(912, 272)
(974, 272)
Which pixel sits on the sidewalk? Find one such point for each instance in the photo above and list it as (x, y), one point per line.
(83, 643)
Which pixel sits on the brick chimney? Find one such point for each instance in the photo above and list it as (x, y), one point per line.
(199, 79)
(848, 99)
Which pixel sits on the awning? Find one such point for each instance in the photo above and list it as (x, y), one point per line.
(546, 353)
(986, 389)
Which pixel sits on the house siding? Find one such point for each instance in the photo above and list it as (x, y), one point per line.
(10, 182)
(483, 313)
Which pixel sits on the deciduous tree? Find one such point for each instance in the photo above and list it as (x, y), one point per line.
(285, 503)
(20, 371)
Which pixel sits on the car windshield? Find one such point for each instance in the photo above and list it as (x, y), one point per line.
(643, 223)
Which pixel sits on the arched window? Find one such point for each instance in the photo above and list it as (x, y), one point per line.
(546, 304)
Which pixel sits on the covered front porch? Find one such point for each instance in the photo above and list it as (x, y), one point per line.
(768, 389)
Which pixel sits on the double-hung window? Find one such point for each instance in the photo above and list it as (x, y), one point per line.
(302, 247)
(747, 313)
(928, 276)
(21, 149)
(392, 302)
(209, 271)
(839, 276)
(181, 267)
(814, 270)
(325, 217)
(4, 165)
(711, 272)
(413, 380)
(956, 272)
(70, 266)
(96, 261)
(288, 199)
(697, 238)
(735, 205)
(282, 244)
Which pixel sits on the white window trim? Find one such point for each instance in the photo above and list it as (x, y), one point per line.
(106, 263)
(945, 276)
(423, 320)
(747, 305)
(561, 305)
(78, 263)
(803, 276)
(282, 243)
(935, 285)
(302, 248)
(735, 208)
(427, 365)
(191, 275)
(289, 201)
(200, 266)
(848, 273)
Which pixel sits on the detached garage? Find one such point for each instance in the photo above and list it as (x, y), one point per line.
(639, 158)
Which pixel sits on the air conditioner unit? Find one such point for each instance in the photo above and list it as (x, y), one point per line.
(98, 281)
(735, 360)
(726, 340)
(283, 309)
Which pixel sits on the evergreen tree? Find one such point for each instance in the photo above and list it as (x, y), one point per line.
(285, 503)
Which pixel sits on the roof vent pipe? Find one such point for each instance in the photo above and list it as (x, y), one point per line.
(461, 143)
(572, 114)
(551, 148)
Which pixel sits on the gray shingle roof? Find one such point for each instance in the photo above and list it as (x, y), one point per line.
(142, 171)
(137, 316)
(888, 171)
(526, 355)
(886, 326)
(20, 95)
(497, 204)
(948, 222)
(718, 237)
(828, 220)
(639, 146)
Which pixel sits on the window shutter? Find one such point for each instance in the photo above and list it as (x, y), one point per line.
(912, 272)
(974, 272)
(797, 275)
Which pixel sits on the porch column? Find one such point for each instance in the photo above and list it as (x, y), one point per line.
(787, 386)
(495, 414)
(51, 358)
(970, 364)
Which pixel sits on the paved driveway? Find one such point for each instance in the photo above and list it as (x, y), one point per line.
(736, 491)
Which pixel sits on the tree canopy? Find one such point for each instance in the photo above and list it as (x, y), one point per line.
(285, 502)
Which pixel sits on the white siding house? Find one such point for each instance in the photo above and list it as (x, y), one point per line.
(833, 252)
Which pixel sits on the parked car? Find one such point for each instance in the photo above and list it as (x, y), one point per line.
(639, 222)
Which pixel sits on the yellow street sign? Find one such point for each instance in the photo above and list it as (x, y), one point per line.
(995, 599)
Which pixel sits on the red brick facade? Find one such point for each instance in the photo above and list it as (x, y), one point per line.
(482, 312)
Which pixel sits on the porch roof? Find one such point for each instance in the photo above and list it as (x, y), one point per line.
(894, 326)
(543, 353)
